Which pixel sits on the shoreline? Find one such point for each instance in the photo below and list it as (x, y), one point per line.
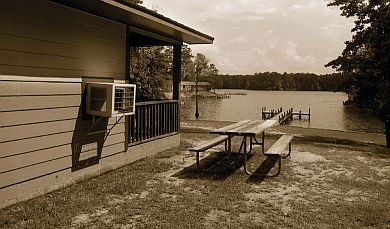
(303, 133)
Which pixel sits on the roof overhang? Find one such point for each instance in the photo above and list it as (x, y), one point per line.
(141, 20)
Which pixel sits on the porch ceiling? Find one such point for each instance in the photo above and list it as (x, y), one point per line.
(142, 21)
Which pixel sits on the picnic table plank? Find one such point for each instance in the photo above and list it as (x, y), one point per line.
(260, 128)
(240, 129)
(223, 130)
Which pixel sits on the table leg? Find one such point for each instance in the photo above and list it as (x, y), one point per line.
(246, 158)
(229, 144)
(241, 145)
(250, 144)
(262, 142)
(289, 151)
(197, 162)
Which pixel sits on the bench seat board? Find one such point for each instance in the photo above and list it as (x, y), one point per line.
(209, 144)
(279, 145)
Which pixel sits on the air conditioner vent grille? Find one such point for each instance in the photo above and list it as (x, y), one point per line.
(110, 99)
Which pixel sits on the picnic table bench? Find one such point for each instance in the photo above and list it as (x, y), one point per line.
(245, 129)
(207, 145)
(277, 149)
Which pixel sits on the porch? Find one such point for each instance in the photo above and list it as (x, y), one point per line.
(153, 120)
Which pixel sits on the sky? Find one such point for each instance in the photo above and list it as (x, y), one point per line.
(263, 35)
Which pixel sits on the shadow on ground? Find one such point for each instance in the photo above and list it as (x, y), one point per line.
(262, 171)
(216, 166)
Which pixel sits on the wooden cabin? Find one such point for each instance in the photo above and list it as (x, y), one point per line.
(49, 52)
(189, 86)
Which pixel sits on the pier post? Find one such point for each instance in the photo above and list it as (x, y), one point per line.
(309, 114)
(300, 114)
(262, 113)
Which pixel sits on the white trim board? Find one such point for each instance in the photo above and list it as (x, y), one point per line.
(38, 79)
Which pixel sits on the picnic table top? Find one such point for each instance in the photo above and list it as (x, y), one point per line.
(246, 127)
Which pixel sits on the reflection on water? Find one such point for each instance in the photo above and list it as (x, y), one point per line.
(361, 120)
(208, 108)
(327, 109)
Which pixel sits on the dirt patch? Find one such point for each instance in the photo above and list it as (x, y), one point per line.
(279, 197)
(306, 157)
(82, 219)
(255, 217)
(216, 216)
(168, 196)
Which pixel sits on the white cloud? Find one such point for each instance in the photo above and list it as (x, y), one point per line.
(239, 40)
(263, 35)
(297, 6)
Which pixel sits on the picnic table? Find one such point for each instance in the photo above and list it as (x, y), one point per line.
(246, 129)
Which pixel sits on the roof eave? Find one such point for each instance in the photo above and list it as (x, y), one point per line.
(142, 19)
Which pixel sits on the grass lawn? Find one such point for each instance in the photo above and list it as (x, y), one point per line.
(322, 185)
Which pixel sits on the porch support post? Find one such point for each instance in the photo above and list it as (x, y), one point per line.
(176, 71)
(176, 65)
(127, 80)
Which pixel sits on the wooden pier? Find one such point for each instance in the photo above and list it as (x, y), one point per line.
(235, 93)
(282, 117)
(269, 114)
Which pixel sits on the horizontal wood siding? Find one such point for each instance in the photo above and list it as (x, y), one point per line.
(38, 141)
(43, 38)
(47, 53)
(22, 88)
(37, 164)
(14, 133)
(36, 116)
(11, 104)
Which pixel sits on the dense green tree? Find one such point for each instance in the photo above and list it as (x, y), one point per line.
(201, 67)
(366, 57)
(150, 70)
(187, 64)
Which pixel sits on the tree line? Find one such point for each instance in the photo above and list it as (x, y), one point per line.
(281, 81)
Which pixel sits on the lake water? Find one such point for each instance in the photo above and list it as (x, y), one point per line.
(327, 110)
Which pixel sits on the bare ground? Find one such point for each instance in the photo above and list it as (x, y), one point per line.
(322, 185)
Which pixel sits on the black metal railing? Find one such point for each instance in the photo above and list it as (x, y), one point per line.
(153, 120)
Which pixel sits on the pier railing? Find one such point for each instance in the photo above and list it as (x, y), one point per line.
(153, 120)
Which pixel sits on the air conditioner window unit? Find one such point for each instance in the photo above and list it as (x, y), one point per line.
(110, 99)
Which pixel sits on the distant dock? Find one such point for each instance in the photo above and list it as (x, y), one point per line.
(283, 117)
(235, 93)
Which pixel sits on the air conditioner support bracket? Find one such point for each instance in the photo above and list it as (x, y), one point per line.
(94, 123)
